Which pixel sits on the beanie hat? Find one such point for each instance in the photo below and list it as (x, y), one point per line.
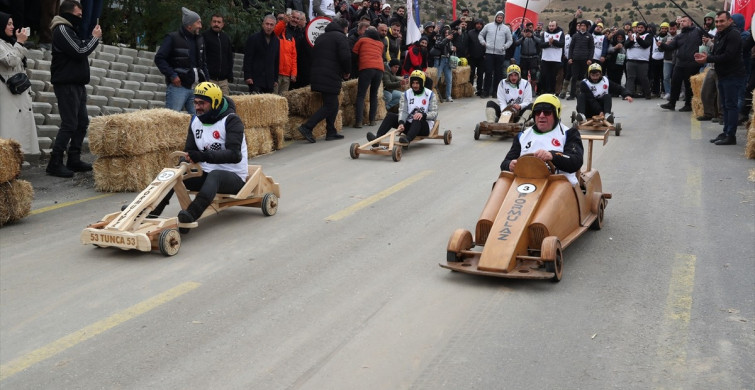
(394, 62)
(711, 15)
(189, 16)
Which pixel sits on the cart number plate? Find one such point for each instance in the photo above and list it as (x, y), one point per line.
(109, 239)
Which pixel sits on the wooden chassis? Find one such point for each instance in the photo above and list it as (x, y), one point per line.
(504, 126)
(531, 215)
(596, 123)
(388, 144)
(131, 229)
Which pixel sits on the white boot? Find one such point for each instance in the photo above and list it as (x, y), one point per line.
(490, 116)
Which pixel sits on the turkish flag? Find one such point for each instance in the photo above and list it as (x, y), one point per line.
(744, 7)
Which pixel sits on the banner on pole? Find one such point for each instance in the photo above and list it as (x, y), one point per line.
(514, 11)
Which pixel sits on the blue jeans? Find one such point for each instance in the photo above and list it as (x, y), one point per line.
(392, 98)
(667, 68)
(177, 98)
(729, 89)
(444, 69)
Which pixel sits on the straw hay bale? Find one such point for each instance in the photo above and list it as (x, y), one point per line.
(277, 134)
(131, 173)
(750, 145)
(349, 110)
(15, 200)
(138, 133)
(697, 107)
(11, 159)
(261, 110)
(460, 75)
(292, 128)
(259, 141)
(432, 74)
(303, 101)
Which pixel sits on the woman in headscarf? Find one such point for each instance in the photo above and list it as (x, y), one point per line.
(16, 115)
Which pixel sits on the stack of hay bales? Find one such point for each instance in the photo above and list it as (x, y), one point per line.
(349, 100)
(460, 86)
(265, 117)
(302, 103)
(750, 146)
(15, 195)
(696, 82)
(133, 148)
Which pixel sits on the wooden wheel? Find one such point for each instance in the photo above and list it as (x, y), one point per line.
(354, 150)
(573, 116)
(597, 224)
(169, 242)
(551, 253)
(477, 132)
(461, 239)
(396, 153)
(618, 129)
(447, 137)
(269, 204)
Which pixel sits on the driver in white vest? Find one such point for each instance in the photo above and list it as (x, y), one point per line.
(595, 97)
(549, 140)
(216, 142)
(514, 93)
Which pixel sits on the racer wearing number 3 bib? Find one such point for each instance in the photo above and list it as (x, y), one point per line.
(549, 140)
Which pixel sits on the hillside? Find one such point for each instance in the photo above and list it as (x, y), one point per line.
(613, 13)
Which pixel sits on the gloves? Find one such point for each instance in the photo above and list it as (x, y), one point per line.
(196, 156)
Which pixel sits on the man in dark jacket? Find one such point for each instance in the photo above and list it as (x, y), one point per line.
(686, 45)
(331, 64)
(261, 58)
(399, 15)
(303, 55)
(529, 56)
(70, 75)
(580, 54)
(727, 55)
(476, 56)
(219, 54)
(181, 59)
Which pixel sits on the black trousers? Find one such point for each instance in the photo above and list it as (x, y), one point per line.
(368, 78)
(208, 185)
(591, 106)
(494, 105)
(411, 130)
(72, 105)
(477, 70)
(328, 111)
(530, 65)
(656, 76)
(681, 75)
(548, 76)
(493, 73)
(578, 73)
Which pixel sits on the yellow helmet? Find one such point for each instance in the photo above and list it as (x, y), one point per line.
(664, 24)
(550, 99)
(634, 24)
(417, 74)
(211, 91)
(463, 61)
(513, 69)
(594, 67)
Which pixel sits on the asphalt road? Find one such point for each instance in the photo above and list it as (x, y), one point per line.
(342, 289)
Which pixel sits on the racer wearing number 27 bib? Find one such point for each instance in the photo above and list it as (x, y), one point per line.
(549, 140)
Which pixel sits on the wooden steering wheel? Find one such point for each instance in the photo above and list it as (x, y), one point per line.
(192, 169)
(549, 164)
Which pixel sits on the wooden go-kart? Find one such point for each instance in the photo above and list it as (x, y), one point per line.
(505, 125)
(531, 216)
(596, 123)
(134, 228)
(388, 144)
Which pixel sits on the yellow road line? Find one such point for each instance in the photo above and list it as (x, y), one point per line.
(693, 188)
(674, 334)
(17, 365)
(696, 131)
(66, 204)
(380, 195)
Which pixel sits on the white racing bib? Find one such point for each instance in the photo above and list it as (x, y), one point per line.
(212, 137)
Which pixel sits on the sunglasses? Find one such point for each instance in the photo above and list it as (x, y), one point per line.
(547, 112)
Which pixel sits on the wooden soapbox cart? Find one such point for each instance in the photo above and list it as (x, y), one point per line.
(596, 123)
(505, 125)
(531, 216)
(134, 228)
(388, 144)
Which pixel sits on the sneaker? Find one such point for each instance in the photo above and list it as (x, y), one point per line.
(357, 125)
(373, 123)
(449, 99)
(609, 118)
(704, 118)
(666, 96)
(370, 137)
(403, 140)
(562, 95)
(718, 138)
(185, 217)
(570, 98)
(333, 137)
(685, 109)
(668, 106)
(307, 134)
(727, 140)
(581, 118)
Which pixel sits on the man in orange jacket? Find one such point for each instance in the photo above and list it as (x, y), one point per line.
(285, 30)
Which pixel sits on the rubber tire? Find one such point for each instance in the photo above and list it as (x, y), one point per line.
(447, 137)
(618, 129)
(354, 151)
(573, 116)
(551, 250)
(169, 242)
(269, 204)
(396, 153)
(477, 132)
(597, 224)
